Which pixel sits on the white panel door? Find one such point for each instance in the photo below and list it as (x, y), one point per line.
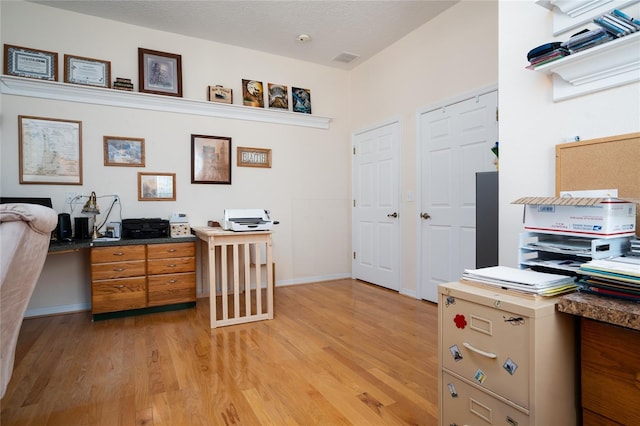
(455, 143)
(376, 224)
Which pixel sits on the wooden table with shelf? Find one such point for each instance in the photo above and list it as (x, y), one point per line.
(232, 276)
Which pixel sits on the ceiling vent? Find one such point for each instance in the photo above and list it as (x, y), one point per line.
(345, 57)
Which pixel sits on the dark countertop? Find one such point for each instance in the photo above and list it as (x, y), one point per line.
(74, 245)
(624, 313)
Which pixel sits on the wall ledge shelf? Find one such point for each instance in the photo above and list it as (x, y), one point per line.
(608, 65)
(21, 86)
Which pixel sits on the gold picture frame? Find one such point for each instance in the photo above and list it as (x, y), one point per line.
(50, 151)
(123, 151)
(153, 186)
(254, 157)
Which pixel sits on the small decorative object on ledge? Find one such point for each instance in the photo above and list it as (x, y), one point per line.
(123, 84)
(220, 94)
(301, 100)
(252, 93)
(278, 96)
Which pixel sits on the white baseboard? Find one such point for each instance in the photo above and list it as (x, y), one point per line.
(309, 280)
(54, 310)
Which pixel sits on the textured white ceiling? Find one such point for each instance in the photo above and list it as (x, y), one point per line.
(359, 27)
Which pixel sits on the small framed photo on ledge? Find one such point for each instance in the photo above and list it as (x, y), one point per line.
(159, 72)
(87, 71)
(31, 63)
(156, 186)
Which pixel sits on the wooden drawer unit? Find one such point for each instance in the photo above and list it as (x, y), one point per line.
(163, 251)
(118, 295)
(504, 359)
(171, 273)
(118, 253)
(138, 276)
(610, 374)
(167, 289)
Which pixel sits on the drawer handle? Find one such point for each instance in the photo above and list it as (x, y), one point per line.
(171, 265)
(118, 253)
(171, 250)
(478, 351)
(173, 281)
(118, 269)
(119, 286)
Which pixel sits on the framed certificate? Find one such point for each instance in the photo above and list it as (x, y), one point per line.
(32, 63)
(87, 71)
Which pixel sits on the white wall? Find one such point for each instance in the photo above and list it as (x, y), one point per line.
(307, 189)
(451, 55)
(531, 124)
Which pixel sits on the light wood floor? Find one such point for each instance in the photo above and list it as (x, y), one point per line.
(337, 353)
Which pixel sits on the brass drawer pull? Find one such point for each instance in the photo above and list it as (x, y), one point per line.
(119, 286)
(171, 265)
(478, 351)
(118, 253)
(171, 250)
(118, 269)
(173, 281)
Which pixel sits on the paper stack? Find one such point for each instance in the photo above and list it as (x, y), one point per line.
(522, 280)
(618, 277)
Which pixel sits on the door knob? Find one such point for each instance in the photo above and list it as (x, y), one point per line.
(394, 214)
(425, 216)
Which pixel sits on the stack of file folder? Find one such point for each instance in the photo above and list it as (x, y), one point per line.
(617, 277)
(522, 280)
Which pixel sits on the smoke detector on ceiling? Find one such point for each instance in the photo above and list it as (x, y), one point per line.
(345, 57)
(304, 38)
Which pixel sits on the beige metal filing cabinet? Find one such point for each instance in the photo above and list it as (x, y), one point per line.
(504, 359)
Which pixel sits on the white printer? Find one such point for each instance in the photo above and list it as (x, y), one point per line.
(247, 220)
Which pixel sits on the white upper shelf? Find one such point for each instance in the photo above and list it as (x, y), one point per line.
(608, 65)
(570, 14)
(20, 86)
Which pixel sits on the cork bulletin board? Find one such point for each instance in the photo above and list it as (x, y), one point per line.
(605, 163)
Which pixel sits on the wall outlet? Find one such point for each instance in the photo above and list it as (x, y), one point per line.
(70, 196)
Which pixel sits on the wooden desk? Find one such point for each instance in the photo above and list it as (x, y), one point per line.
(227, 267)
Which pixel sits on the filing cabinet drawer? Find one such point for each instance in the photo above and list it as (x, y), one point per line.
(104, 271)
(463, 404)
(117, 253)
(118, 295)
(162, 251)
(171, 266)
(487, 346)
(172, 288)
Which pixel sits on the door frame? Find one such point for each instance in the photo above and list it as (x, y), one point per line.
(419, 153)
(398, 153)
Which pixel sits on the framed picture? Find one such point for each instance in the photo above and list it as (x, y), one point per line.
(254, 157)
(50, 151)
(278, 96)
(156, 186)
(301, 99)
(210, 159)
(32, 63)
(159, 72)
(252, 93)
(220, 94)
(123, 151)
(87, 71)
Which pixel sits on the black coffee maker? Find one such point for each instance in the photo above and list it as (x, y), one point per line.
(81, 228)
